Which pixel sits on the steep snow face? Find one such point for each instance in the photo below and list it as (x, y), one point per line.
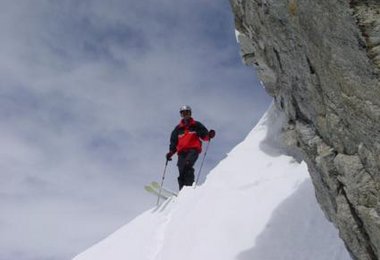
(252, 206)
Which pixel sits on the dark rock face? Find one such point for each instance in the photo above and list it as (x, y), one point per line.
(320, 60)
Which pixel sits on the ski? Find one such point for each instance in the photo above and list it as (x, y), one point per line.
(152, 190)
(157, 186)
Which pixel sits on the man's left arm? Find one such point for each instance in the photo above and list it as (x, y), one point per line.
(203, 133)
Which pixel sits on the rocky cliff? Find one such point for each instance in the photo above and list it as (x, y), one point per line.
(320, 60)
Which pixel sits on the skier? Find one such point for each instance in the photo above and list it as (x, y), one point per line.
(186, 141)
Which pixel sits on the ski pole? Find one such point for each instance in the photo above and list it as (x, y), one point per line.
(162, 182)
(203, 159)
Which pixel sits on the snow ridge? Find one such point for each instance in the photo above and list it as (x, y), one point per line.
(252, 206)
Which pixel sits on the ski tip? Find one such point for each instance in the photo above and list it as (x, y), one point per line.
(156, 184)
(148, 188)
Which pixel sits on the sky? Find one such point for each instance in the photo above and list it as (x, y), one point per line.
(266, 212)
(89, 93)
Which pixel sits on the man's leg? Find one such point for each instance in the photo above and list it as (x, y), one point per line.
(186, 168)
(181, 169)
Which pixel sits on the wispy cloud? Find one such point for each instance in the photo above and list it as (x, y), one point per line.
(89, 92)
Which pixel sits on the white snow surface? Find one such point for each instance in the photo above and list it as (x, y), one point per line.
(251, 206)
(237, 33)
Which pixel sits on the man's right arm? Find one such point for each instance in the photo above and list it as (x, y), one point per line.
(173, 144)
(173, 140)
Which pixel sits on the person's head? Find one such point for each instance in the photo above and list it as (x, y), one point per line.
(185, 112)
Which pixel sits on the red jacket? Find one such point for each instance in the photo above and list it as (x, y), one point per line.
(188, 136)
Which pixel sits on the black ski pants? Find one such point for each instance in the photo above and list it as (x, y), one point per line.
(186, 161)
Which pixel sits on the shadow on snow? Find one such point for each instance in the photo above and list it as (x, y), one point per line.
(298, 230)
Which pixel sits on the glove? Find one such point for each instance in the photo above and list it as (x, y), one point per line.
(169, 156)
(211, 134)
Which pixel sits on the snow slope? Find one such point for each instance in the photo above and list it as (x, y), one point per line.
(252, 206)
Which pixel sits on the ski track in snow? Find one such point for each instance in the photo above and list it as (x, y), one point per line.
(164, 211)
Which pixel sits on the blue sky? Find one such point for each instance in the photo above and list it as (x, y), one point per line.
(89, 93)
